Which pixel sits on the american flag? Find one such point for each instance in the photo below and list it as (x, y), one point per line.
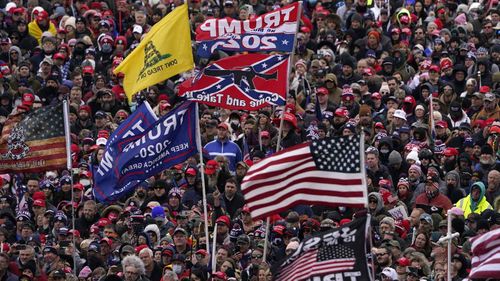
(34, 142)
(323, 172)
(486, 255)
(327, 259)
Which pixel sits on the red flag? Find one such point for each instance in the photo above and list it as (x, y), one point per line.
(324, 172)
(245, 82)
(486, 255)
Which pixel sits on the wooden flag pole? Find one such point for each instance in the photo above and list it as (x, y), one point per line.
(202, 170)
(69, 166)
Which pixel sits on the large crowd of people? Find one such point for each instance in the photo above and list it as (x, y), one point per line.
(418, 78)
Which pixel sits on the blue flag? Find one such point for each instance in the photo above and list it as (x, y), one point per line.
(145, 151)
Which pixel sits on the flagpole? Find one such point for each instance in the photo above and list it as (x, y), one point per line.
(202, 170)
(368, 236)
(214, 247)
(69, 166)
(282, 117)
(449, 234)
(363, 165)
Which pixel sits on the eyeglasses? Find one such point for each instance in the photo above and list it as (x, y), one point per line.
(372, 201)
(257, 256)
(381, 254)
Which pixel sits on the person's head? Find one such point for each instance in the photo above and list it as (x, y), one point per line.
(230, 188)
(383, 256)
(222, 255)
(133, 268)
(146, 255)
(222, 131)
(256, 256)
(26, 254)
(372, 160)
(180, 237)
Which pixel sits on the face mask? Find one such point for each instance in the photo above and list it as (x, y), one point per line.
(384, 151)
(177, 268)
(85, 182)
(342, 209)
(141, 194)
(133, 106)
(106, 48)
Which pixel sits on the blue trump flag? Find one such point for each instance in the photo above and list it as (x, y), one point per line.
(129, 161)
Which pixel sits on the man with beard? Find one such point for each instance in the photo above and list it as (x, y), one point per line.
(106, 101)
(432, 197)
(487, 160)
(384, 258)
(491, 110)
(340, 117)
(89, 217)
(49, 93)
(455, 191)
(347, 76)
(84, 121)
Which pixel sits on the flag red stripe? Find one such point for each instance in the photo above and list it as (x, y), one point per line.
(486, 255)
(305, 269)
(322, 269)
(266, 175)
(293, 157)
(301, 268)
(278, 188)
(36, 158)
(307, 191)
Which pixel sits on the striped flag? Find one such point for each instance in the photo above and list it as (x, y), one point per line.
(329, 259)
(323, 172)
(34, 142)
(339, 251)
(486, 255)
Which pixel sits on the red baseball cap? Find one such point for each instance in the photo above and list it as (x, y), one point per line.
(223, 219)
(265, 134)
(39, 203)
(434, 68)
(88, 69)
(341, 112)
(191, 171)
(322, 91)
(450, 151)
(223, 126)
(442, 124)
(379, 125)
(59, 56)
(78, 186)
(376, 96)
(484, 89)
(211, 167)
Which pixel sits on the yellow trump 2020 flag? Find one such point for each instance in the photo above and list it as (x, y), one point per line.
(164, 52)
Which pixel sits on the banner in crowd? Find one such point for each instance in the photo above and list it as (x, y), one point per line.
(33, 142)
(242, 82)
(131, 128)
(338, 254)
(126, 163)
(486, 255)
(325, 172)
(274, 31)
(165, 51)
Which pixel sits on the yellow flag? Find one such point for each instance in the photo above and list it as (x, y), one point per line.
(164, 52)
